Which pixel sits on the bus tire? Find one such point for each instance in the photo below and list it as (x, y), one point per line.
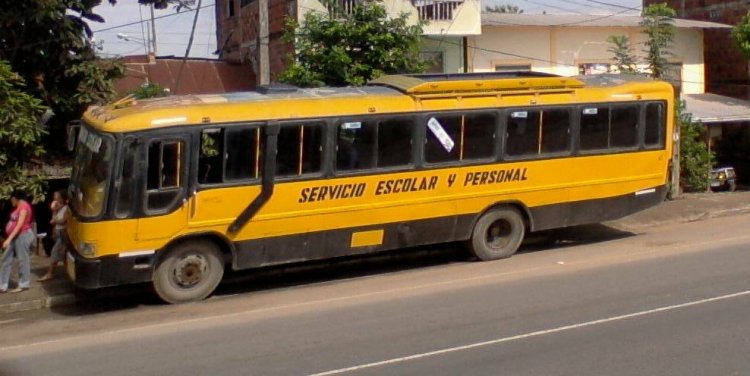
(497, 234)
(189, 272)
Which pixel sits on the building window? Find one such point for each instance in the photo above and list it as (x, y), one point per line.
(434, 61)
(230, 8)
(586, 69)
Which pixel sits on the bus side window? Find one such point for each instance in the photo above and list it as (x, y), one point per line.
(655, 126)
(299, 149)
(354, 145)
(437, 150)
(555, 131)
(395, 142)
(479, 136)
(522, 134)
(594, 128)
(241, 153)
(624, 127)
(164, 175)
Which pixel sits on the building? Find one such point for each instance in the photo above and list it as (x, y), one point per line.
(251, 30)
(179, 76)
(569, 45)
(726, 67)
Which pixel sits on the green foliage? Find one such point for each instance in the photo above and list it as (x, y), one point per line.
(20, 132)
(47, 42)
(741, 35)
(623, 54)
(658, 25)
(149, 90)
(340, 49)
(695, 158)
(503, 8)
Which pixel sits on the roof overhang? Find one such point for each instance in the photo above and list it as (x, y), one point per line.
(714, 108)
(585, 20)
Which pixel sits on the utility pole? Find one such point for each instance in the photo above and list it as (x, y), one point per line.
(263, 63)
(153, 30)
(187, 50)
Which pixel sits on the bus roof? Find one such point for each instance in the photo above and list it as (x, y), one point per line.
(387, 94)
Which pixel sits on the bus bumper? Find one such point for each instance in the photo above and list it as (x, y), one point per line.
(107, 271)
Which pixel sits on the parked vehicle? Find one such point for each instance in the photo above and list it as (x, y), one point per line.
(723, 179)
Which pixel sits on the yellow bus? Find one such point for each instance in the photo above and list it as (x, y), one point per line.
(172, 191)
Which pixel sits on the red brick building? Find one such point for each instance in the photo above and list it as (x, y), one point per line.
(241, 35)
(726, 67)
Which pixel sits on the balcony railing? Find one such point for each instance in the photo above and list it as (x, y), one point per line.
(427, 10)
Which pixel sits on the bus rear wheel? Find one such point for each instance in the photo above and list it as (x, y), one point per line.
(189, 272)
(497, 234)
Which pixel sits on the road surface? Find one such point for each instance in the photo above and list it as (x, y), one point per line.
(674, 300)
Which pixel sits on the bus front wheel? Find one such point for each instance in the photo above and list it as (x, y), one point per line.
(189, 272)
(497, 234)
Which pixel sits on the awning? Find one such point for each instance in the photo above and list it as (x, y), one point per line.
(714, 108)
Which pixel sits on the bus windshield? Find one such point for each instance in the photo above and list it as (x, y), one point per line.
(91, 173)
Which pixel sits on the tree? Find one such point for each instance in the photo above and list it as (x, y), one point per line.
(339, 49)
(20, 132)
(741, 35)
(48, 43)
(695, 158)
(503, 8)
(658, 25)
(623, 55)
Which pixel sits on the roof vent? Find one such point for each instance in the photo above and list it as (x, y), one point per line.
(276, 88)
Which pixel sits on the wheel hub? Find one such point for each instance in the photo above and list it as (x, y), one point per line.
(189, 270)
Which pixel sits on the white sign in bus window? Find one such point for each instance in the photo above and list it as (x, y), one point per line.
(519, 114)
(590, 111)
(352, 125)
(441, 134)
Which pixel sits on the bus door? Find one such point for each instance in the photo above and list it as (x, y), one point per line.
(228, 175)
(165, 183)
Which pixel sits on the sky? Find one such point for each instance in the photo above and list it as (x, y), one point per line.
(131, 20)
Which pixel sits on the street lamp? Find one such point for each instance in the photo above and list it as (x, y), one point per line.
(129, 38)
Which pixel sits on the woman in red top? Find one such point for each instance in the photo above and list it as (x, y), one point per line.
(17, 243)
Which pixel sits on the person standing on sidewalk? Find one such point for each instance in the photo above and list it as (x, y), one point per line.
(18, 243)
(60, 215)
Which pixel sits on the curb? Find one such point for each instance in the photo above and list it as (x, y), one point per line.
(45, 302)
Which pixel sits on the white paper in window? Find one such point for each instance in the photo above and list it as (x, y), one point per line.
(590, 111)
(439, 132)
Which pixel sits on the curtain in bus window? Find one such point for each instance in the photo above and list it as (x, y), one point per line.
(394, 142)
(555, 131)
(355, 145)
(435, 151)
(624, 127)
(299, 149)
(594, 128)
(210, 160)
(655, 125)
(126, 180)
(522, 133)
(241, 153)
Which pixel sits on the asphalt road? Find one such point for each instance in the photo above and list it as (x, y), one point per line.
(674, 300)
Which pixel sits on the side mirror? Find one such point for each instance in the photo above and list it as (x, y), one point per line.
(72, 134)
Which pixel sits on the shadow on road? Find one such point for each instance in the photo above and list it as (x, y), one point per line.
(272, 278)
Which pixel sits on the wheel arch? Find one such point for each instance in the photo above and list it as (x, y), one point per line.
(516, 204)
(226, 247)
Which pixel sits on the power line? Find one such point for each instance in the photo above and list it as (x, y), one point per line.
(613, 5)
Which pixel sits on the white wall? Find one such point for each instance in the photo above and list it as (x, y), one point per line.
(560, 50)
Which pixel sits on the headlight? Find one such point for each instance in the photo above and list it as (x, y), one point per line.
(87, 249)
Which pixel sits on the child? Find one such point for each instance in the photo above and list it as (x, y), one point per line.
(60, 215)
